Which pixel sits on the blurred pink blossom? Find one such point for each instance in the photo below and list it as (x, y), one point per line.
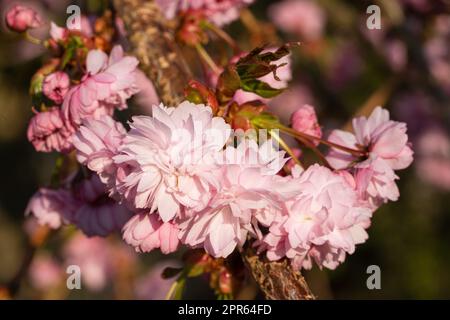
(433, 164)
(51, 207)
(45, 272)
(21, 18)
(97, 214)
(302, 17)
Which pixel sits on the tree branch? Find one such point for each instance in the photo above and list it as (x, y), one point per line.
(153, 44)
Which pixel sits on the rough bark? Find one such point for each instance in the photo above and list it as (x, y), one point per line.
(276, 279)
(153, 44)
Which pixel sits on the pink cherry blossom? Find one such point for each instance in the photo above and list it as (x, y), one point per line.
(108, 83)
(388, 149)
(171, 158)
(51, 207)
(322, 223)
(49, 131)
(56, 85)
(97, 142)
(145, 232)
(249, 195)
(305, 120)
(21, 18)
(97, 214)
(302, 17)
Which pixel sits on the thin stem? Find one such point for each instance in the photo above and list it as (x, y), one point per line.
(305, 136)
(207, 59)
(274, 135)
(32, 39)
(223, 35)
(295, 133)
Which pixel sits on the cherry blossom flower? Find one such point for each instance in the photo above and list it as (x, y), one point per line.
(97, 142)
(322, 223)
(249, 195)
(171, 150)
(52, 207)
(108, 83)
(49, 131)
(56, 85)
(388, 149)
(21, 18)
(145, 232)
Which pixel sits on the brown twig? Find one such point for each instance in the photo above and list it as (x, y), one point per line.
(153, 43)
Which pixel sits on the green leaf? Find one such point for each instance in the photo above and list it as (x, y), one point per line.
(228, 83)
(261, 88)
(71, 49)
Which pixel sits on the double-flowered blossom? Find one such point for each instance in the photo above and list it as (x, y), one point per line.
(145, 232)
(108, 83)
(97, 142)
(249, 194)
(322, 223)
(386, 143)
(56, 85)
(50, 131)
(171, 156)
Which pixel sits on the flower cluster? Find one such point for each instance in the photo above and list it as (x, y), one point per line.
(183, 177)
(64, 102)
(187, 185)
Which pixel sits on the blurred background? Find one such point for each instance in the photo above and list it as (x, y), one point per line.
(342, 68)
